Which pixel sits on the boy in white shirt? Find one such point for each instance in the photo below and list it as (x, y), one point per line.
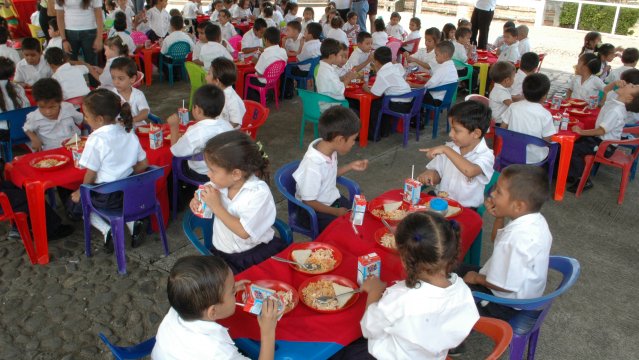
(327, 80)
(503, 74)
(380, 37)
(524, 41)
(6, 51)
(71, 78)
(530, 117)
(444, 73)
(585, 83)
(294, 38)
(191, 10)
(33, 67)
(228, 31)
(317, 173)
(213, 48)
(462, 45)
(310, 47)
(54, 34)
(272, 53)
(158, 20)
(336, 31)
(394, 29)
(176, 35)
(463, 167)
(252, 40)
(499, 41)
(528, 65)
(629, 59)
(223, 74)
(414, 26)
(425, 58)
(511, 52)
(217, 5)
(362, 56)
(123, 7)
(201, 40)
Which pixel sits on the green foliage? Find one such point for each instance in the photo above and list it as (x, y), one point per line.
(599, 18)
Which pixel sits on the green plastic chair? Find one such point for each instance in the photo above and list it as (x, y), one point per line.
(311, 106)
(473, 256)
(469, 77)
(197, 77)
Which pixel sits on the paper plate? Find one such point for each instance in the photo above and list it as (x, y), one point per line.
(337, 255)
(336, 279)
(63, 161)
(378, 204)
(82, 142)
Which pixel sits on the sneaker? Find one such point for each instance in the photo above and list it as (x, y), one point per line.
(108, 243)
(63, 231)
(13, 233)
(138, 234)
(587, 186)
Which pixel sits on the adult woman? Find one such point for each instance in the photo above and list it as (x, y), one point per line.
(47, 12)
(81, 26)
(480, 20)
(372, 13)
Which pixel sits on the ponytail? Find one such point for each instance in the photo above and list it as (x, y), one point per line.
(117, 42)
(126, 117)
(105, 103)
(7, 69)
(236, 150)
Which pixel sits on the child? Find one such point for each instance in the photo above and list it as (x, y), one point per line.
(462, 47)
(606, 54)
(444, 73)
(119, 29)
(176, 35)
(499, 41)
(327, 80)
(223, 74)
(201, 291)
(191, 10)
(528, 65)
(267, 15)
(361, 57)
(629, 59)
(609, 126)
(272, 53)
(242, 12)
(336, 31)
(114, 48)
(217, 6)
(112, 152)
(294, 38)
(309, 15)
(522, 37)
(13, 95)
(326, 26)
(208, 102)
(213, 47)
(341, 69)
(503, 74)
(414, 26)
(591, 40)
(5, 50)
(394, 29)
(291, 12)
(530, 117)
(33, 67)
(463, 23)
(463, 167)
(317, 173)
(518, 266)
(201, 40)
(123, 7)
(124, 73)
(158, 20)
(350, 27)
(54, 121)
(252, 40)
(448, 32)
(71, 78)
(380, 37)
(174, 12)
(54, 34)
(425, 58)
(227, 29)
(511, 52)
(310, 48)
(240, 200)
(586, 84)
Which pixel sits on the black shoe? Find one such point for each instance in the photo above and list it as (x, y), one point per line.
(138, 234)
(63, 231)
(108, 243)
(573, 188)
(457, 351)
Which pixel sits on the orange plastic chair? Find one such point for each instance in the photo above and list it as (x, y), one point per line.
(20, 220)
(254, 117)
(498, 330)
(139, 80)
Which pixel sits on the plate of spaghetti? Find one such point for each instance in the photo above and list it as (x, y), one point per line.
(325, 256)
(328, 285)
(49, 162)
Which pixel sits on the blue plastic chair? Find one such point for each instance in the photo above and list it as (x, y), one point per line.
(174, 57)
(527, 323)
(286, 185)
(417, 97)
(154, 118)
(139, 201)
(301, 80)
(514, 150)
(178, 175)
(290, 349)
(138, 351)
(15, 121)
(191, 224)
(473, 256)
(446, 104)
(311, 110)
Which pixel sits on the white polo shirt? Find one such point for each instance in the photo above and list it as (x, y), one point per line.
(190, 10)
(412, 36)
(52, 132)
(71, 79)
(270, 22)
(270, 55)
(194, 140)
(10, 53)
(316, 176)
(55, 42)
(239, 13)
(428, 57)
(228, 31)
(174, 37)
(444, 73)
(234, 108)
(180, 339)
(337, 34)
(196, 50)
(293, 44)
(380, 38)
(310, 49)
(592, 86)
(516, 88)
(127, 39)
(111, 152)
(211, 51)
(255, 207)
(531, 119)
(159, 21)
(136, 100)
(249, 40)
(612, 118)
(395, 31)
(519, 262)
(390, 81)
(105, 78)
(76, 17)
(497, 96)
(327, 81)
(7, 100)
(460, 53)
(510, 53)
(486, 5)
(419, 323)
(357, 58)
(615, 74)
(214, 16)
(524, 46)
(29, 74)
(467, 191)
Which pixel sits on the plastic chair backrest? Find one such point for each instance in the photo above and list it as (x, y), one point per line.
(448, 97)
(311, 103)
(467, 66)
(272, 72)
(139, 38)
(514, 146)
(415, 43)
(179, 50)
(197, 75)
(254, 117)
(15, 121)
(394, 47)
(499, 331)
(287, 187)
(541, 60)
(36, 32)
(236, 43)
(416, 94)
(479, 98)
(138, 351)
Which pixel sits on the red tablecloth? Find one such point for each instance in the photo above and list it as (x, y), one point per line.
(304, 324)
(587, 121)
(485, 57)
(24, 8)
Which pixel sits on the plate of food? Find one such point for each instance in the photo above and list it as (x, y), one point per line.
(331, 286)
(357, 81)
(393, 211)
(415, 80)
(325, 257)
(576, 102)
(75, 143)
(454, 207)
(482, 58)
(385, 239)
(421, 73)
(579, 112)
(49, 162)
(286, 292)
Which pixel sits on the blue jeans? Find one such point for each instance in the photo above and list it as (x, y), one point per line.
(83, 40)
(361, 9)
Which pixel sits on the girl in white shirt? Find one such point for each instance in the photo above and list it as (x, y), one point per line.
(350, 27)
(308, 15)
(124, 73)
(380, 37)
(291, 12)
(113, 48)
(223, 74)
(240, 200)
(586, 84)
(242, 11)
(425, 58)
(336, 31)
(13, 96)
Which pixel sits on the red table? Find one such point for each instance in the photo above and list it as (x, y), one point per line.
(36, 182)
(243, 28)
(488, 58)
(365, 100)
(147, 55)
(24, 9)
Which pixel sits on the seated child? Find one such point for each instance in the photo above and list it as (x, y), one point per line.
(267, 15)
(70, 77)
(124, 73)
(522, 37)
(326, 26)
(629, 59)
(528, 65)
(291, 12)
(13, 95)
(125, 8)
(530, 117)
(394, 29)
(425, 58)
(227, 29)
(362, 56)
(462, 48)
(585, 83)
(336, 31)
(242, 11)
(630, 77)
(252, 39)
(208, 102)
(33, 67)
(158, 20)
(201, 40)
(464, 23)
(317, 174)
(201, 291)
(342, 70)
(606, 54)
(191, 10)
(518, 266)
(272, 53)
(499, 41)
(308, 16)
(463, 167)
(350, 27)
(444, 73)
(119, 29)
(294, 38)
(591, 40)
(176, 35)
(328, 80)
(380, 37)
(503, 74)
(223, 74)
(217, 6)
(414, 26)
(54, 34)
(114, 48)
(511, 51)
(448, 32)
(5, 50)
(54, 121)
(213, 48)
(310, 48)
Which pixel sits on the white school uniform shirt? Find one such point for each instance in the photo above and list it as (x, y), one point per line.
(304, 23)
(316, 176)
(444, 73)
(631, 117)
(234, 108)
(338, 34)
(174, 37)
(195, 138)
(424, 55)
(211, 51)
(419, 323)
(111, 152)
(293, 44)
(71, 79)
(516, 88)
(510, 53)
(290, 17)
(240, 13)
(249, 40)
(105, 78)
(326, 27)
(228, 31)
(10, 53)
(29, 74)
(270, 55)
(531, 119)
(380, 38)
(497, 97)
(137, 100)
(348, 27)
(460, 53)
(271, 23)
(214, 16)
(159, 21)
(310, 49)
(519, 262)
(197, 48)
(390, 81)
(615, 74)
(127, 39)
(52, 132)
(77, 17)
(412, 36)
(499, 42)
(357, 58)
(468, 192)
(129, 17)
(55, 42)
(180, 339)
(395, 31)
(524, 46)
(327, 81)
(190, 10)
(278, 17)
(592, 86)
(255, 207)
(612, 118)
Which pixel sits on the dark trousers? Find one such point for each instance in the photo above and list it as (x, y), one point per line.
(323, 219)
(586, 145)
(343, 13)
(44, 21)
(385, 127)
(428, 100)
(18, 200)
(491, 310)
(463, 72)
(192, 174)
(480, 21)
(83, 40)
(252, 94)
(239, 262)
(290, 83)
(357, 350)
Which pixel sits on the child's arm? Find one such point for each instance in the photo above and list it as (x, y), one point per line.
(429, 177)
(374, 288)
(416, 61)
(499, 221)
(211, 197)
(198, 61)
(599, 131)
(358, 165)
(36, 143)
(89, 178)
(507, 102)
(319, 207)
(267, 321)
(516, 98)
(569, 93)
(473, 277)
(141, 116)
(359, 67)
(466, 167)
(174, 124)
(140, 166)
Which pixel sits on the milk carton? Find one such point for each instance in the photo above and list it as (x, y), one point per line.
(203, 211)
(156, 139)
(367, 266)
(412, 191)
(255, 297)
(359, 208)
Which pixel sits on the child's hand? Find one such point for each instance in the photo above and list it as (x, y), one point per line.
(239, 285)
(36, 144)
(194, 205)
(268, 317)
(350, 76)
(434, 151)
(75, 196)
(211, 197)
(359, 165)
(489, 203)
(426, 178)
(374, 287)
(471, 277)
(173, 120)
(341, 211)
(576, 129)
(620, 83)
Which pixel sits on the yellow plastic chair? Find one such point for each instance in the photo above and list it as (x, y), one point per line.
(36, 32)
(197, 78)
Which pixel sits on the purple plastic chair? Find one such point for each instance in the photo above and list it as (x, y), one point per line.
(527, 323)
(513, 150)
(272, 75)
(138, 351)
(447, 102)
(286, 185)
(178, 175)
(415, 112)
(139, 202)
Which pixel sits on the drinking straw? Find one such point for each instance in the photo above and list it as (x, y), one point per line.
(182, 103)
(412, 172)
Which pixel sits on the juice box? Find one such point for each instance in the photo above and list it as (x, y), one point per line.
(412, 191)
(359, 208)
(183, 113)
(593, 100)
(367, 266)
(255, 297)
(156, 140)
(556, 102)
(76, 155)
(203, 211)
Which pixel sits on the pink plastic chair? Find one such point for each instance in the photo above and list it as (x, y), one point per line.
(139, 38)
(139, 80)
(236, 42)
(394, 45)
(272, 75)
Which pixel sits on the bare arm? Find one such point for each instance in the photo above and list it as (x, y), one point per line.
(479, 279)
(594, 132)
(507, 102)
(467, 168)
(319, 207)
(141, 116)
(36, 143)
(140, 166)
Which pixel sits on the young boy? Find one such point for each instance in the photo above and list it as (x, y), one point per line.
(158, 20)
(33, 67)
(499, 41)
(6, 51)
(362, 56)
(444, 73)
(252, 39)
(223, 74)
(310, 48)
(217, 6)
(629, 59)
(54, 34)
(503, 74)
(228, 31)
(208, 102)
(201, 40)
(70, 77)
(530, 117)
(213, 49)
(176, 35)
(336, 31)
(201, 291)
(414, 26)
(272, 53)
(522, 38)
(511, 52)
(294, 38)
(394, 29)
(528, 65)
(462, 45)
(317, 174)
(463, 167)
(119, 29)
(328, 80)
(54, 121)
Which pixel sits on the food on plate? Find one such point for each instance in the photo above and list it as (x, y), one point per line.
(72, 144)
(323, 258)
(48, 163)
(581, 112)
(392, 206)
(287, 299)
(442, 194)
(577, 102)
(388, 240)
(390, 215)
(326, 288)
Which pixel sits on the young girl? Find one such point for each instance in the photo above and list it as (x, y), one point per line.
(113, 48)
(464, 23)
(223, 74)
(350, 27)
(586, 83)
(606, 54)
(448, 32)
(336, 31)
(591, 40)
(124, 73)
(380, 37)
(394, 29)
(309, 15)
(241, 201)
(13, 96)
(291, 12)
(326, 27)
(425, 58)
(242, 11)
(112, 152)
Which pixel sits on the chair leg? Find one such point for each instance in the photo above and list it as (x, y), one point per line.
(160, 220)
(518, 346)
(625, 175)
(276, 91)
(417, 126)
(117, 231)
(435, 122)
(376, 135)
(170, 67)
(263, 96)
(23, 229)
(590, 159)
(87, 232)
(406, 121)
(532, 345)
(302, 133)
(633, 170)
(160, 67)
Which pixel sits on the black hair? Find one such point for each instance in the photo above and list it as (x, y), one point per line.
(628, 56)
(630, 76)
(296, 25)
(236, 150)
(592, 62)
(196, 283)
(118, 43)
(395, 14)
(417, 22)
(338, 121)
(509, 24)
(47, 89)
(472, 115)
(226, 13)
(119, 21)
(350, 15)
(434, 33)
(427, 243)
(174, 12)
(54, 24)
(30, 43)
(315, 29)
(213, 33)
(7, 69)
(383, 55)
(106, 103)
(363, 35)
(446, 30)
(177, 22)
(501, 71)
(259, 24)
(309, 9)
(446, 48)
(337, 22)
(272, 35)
(289, 7)
(329, 47)
(126, 65)
(203, 25)
(604, 50)
(527, 183)
(210, 99)
(4, 35)
(633, 106)
(268, 12)
(224, 70)
(462, 32)
(590, 36)
(462, 23)
(379, 25)
(529, 61)
(522, 30)
(512, 31)
(535, 87)
(55, 56)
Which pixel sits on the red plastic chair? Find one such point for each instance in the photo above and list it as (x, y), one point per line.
(541, 60)
(77, 101)
(139, 80)
(20, 220)
(254, 117)
(619, 159)
(499, 331)
(272, 75)
(414, 42)
(139, 38)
